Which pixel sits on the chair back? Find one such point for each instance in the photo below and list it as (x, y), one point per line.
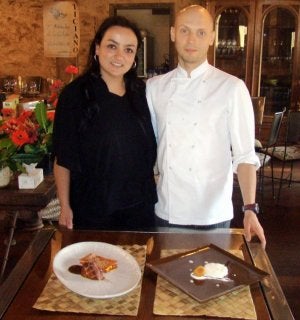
(293, 128)
(258, 104)
(275, 128)
(259, 109)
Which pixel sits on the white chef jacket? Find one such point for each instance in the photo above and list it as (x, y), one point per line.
(205, 128)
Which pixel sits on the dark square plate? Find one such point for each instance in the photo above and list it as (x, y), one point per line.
(177, 270)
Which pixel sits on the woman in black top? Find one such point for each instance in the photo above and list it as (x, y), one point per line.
(104, 143)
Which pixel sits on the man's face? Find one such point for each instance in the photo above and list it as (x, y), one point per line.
(193, 34)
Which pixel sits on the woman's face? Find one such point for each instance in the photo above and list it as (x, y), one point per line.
(116, 52)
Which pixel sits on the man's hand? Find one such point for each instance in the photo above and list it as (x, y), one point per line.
(253, 227)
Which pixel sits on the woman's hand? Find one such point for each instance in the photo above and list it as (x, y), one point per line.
(66, 217)
(62, 180)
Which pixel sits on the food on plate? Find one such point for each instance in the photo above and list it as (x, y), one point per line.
(199, 271)
(91, 271)
(93, 266)
(210, 270)
(102, 263)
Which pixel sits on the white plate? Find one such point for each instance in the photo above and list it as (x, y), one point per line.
(116, 283)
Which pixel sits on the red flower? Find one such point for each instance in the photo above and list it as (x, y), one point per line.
(53, 97)
(71, 69)
(20, 137)
(9, 126)
(7, 112)
(26, 138)
(57, 85)
(50, 115)
(25, 115)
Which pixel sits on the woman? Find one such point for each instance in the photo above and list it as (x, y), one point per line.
(104, 143)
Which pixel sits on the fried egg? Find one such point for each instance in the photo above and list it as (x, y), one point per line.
(210, 270)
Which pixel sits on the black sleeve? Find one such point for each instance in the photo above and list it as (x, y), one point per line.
(66, 142)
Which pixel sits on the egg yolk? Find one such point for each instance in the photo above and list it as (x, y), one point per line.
(199, 271)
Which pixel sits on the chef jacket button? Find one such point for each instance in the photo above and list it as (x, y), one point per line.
(193, 146)
(199, 101)
(170, 145)
(190, 169)
(195, 123)
(170, 168)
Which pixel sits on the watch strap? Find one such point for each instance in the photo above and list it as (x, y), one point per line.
(253, 207)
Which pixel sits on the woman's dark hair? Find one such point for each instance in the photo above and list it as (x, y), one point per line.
(134, 86)
(93, 64)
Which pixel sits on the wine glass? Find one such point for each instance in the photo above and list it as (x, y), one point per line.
(6, 85)
(32, 88)
(23, 88)
(13, 84)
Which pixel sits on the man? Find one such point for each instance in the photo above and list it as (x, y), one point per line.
(203, 118)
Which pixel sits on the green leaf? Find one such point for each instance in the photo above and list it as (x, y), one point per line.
(28, 158)
(50, 128)
(6, 143)
(41, 115)
(31, 148)
(7, 149)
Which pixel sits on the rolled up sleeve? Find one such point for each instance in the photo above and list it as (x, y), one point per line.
(242, 128)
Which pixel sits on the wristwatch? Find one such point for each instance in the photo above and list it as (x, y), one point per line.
(253, 207)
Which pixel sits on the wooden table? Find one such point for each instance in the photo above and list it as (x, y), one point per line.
(14, 199)
(25, 284)
(24, 204)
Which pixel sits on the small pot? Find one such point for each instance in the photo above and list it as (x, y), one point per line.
(4, 176)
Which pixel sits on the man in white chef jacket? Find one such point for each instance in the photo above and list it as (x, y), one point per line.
(204, 122)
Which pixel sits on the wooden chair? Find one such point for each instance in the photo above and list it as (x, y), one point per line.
(259, 109)
(51, 212)
(266, 153)
(290, 151)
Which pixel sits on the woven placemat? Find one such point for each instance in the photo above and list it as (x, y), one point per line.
(51, 211)
(169, 300)
(56, 297)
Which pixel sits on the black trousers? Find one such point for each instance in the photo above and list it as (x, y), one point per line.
(136, 218)
(164, 223)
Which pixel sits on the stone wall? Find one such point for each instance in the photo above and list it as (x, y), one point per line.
(21, 35)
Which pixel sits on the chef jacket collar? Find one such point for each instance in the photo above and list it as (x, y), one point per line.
(182, 73)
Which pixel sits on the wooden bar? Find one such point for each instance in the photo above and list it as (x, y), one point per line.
(11, 285)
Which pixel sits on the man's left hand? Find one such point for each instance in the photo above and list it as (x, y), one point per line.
(253, 227)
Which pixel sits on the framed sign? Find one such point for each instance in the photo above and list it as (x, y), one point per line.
(61, 29)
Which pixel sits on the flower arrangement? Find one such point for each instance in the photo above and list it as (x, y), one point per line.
(55, 90)
(27, 138)
(72, 70)
(58, 85)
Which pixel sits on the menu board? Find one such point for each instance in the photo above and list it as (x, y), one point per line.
(61, 29)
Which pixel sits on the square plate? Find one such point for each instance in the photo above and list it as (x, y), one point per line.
(177, 270)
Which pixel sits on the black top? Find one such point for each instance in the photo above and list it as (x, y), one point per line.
(108, 144)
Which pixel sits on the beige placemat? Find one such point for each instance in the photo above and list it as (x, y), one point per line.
(169, 300)
(56, 297)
